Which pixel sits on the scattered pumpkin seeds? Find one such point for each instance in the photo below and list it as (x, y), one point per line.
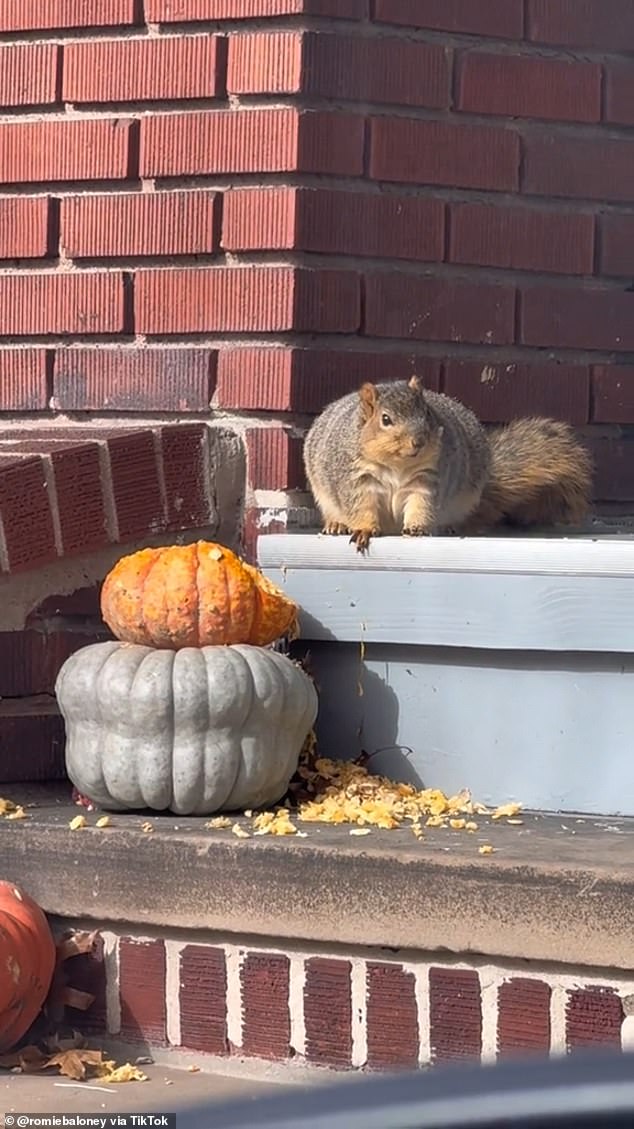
(486, 849)
(506, 810)
(147, 827)
(239, 832)
(78, 822)
(103, 821)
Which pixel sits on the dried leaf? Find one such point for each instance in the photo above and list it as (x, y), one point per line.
(73, 1063)
(72, 997)
(75, 944)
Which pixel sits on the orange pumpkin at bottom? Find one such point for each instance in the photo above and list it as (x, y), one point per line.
(194, 595)
(27, 959)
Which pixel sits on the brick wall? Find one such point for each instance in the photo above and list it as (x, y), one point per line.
(258, 203)
(347, 1009)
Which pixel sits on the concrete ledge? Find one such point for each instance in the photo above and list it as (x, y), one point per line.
(501, 593)
(554, 890)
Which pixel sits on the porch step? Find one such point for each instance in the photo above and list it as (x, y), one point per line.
(335, 951)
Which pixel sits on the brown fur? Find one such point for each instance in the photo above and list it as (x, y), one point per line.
(540, 475)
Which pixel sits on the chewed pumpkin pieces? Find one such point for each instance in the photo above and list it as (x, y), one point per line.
(193, 596)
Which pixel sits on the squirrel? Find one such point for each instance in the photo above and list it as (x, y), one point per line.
(398, 458)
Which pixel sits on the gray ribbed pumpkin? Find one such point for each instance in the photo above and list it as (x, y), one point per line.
(192, 731)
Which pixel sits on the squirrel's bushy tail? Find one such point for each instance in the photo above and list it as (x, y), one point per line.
(540, 475)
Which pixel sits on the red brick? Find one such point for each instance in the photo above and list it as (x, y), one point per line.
(339, 66)
(256, 522)
(80, 504)
(61, 303)
(24, 227)
(139, 223)
(616, 244)
(71, 149)
(87, 973)
(177, 11)
(254, 140)
(142, 990)
(612, 394)
(203, 999)
(23, 380)
(130, 379)
(28, 74)
(327, 221)
(328, 1011)
(136, 487)
(26, 514)
(523, 1017)
(29, 15)
(599, 24)
(30, 660)
(593, 1017)
(504, 18)
(31, 741)
(428, 152)
(619, 93)
(498, 392)
(392, 1017)
(613, 479)
(529, 87)
(247, 299)
(129, 70)
(436, 309)
(187, 477)
(579, 168)
(275, 459)
(521, 238)
(455, 1014)
(305, 380)
(266, 1030)
(577, 319)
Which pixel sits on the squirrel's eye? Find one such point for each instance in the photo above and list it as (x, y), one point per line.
(385, 420)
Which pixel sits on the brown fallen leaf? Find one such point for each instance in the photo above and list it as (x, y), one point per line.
(77, 1063)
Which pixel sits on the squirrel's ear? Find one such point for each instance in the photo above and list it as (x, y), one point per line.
(416, 383)
(367, 396)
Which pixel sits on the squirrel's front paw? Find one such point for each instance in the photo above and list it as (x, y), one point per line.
(416, 531)
(361, 538)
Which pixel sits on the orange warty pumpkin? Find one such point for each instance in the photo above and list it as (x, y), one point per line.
(193, 596)
(27, 959)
